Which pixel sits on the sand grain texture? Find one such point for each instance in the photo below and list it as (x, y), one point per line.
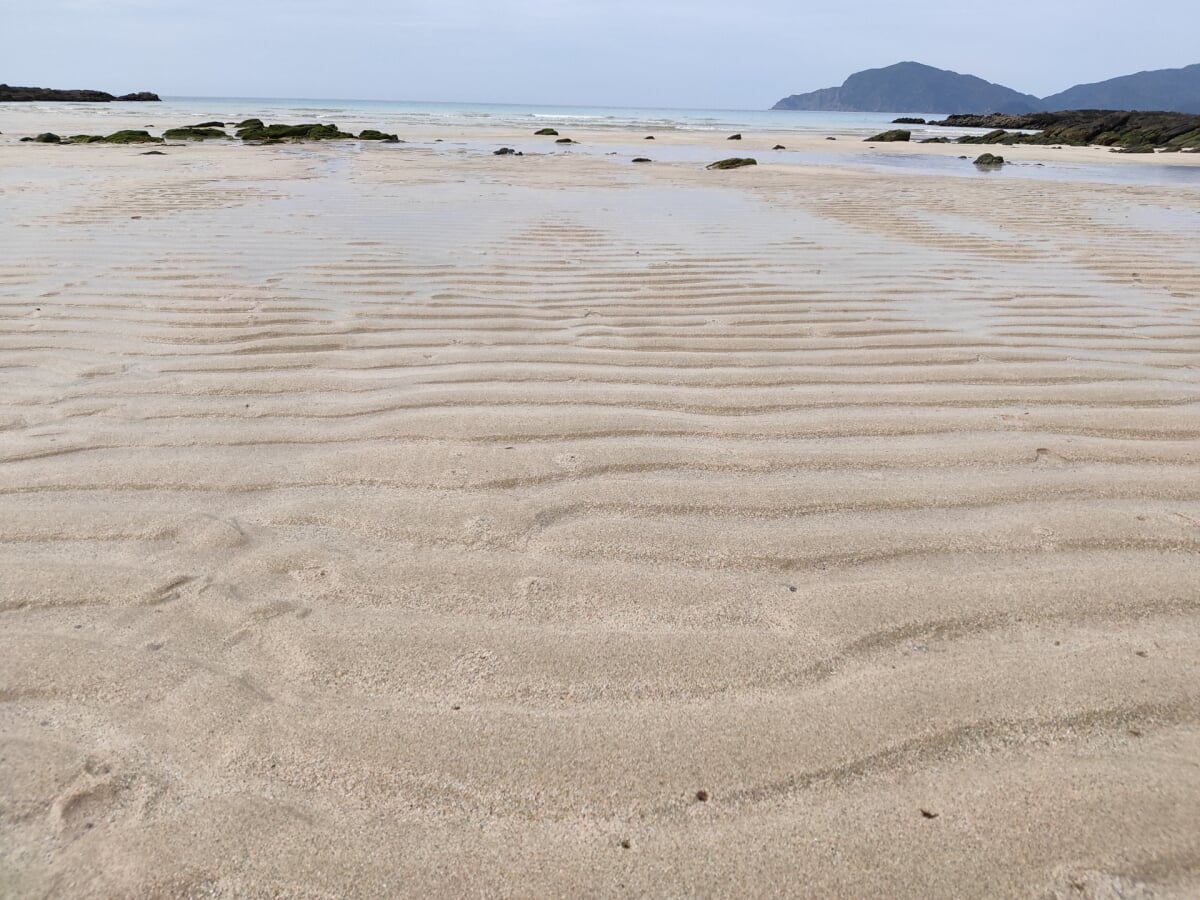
(380, 523)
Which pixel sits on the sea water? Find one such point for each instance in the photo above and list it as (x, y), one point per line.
(401, 116)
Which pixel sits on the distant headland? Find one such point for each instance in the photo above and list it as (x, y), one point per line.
(10, 94)
(915, 87)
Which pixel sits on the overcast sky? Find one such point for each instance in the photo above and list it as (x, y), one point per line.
(718, 54)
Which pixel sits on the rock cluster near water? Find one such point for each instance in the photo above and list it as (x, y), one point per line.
(1132, 131)
(250, 131)
(117, 137)
(896, 134)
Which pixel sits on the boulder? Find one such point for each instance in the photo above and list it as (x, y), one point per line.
(648, 137)
(641, 159)
(734, 137)
(546, 132)
(258, 133)
(131, 137)
(194, 133)
(896, 134)
(987, 160)
(210, 125)
(370, 134)
(734, 162)
(908, 120)
(506, 151)
(565, 141)
(48, 137)
(779, 147)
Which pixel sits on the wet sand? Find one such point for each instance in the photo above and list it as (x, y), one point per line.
(382, 521)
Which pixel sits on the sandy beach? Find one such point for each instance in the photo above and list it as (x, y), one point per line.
(410, 521)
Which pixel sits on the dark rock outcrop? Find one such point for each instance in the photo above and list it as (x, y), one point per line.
(546, 132)
(371, 134)
(734, 137)
(985, 160)
(507, 151)
(908, 120)
(896, 134)
(1085, 127)
(48, 137)
(734, 162)
(30, 94)
(641, 159)
(565, 141)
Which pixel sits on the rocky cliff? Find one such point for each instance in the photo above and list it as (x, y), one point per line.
(29, 94)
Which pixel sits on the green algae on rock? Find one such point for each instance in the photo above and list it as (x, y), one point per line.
(895, 134)
(734, 162)
(253, 131)
(194, 133)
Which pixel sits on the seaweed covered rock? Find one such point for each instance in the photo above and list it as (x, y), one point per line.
(249, 123)
(507, 151)
(117, 137)
(48, 137)
(370, 134)
(210, 125)
(546, 132)
(908, 120)
(895, 134)
(131, 137)
(988, 161)
(779, 147)
(308, 131)
(194, 133)
(734, 162)
(565, 141)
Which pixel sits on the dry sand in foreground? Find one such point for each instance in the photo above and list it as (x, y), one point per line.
(399, 522)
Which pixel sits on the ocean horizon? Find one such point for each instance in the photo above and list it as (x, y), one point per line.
(394, 114)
